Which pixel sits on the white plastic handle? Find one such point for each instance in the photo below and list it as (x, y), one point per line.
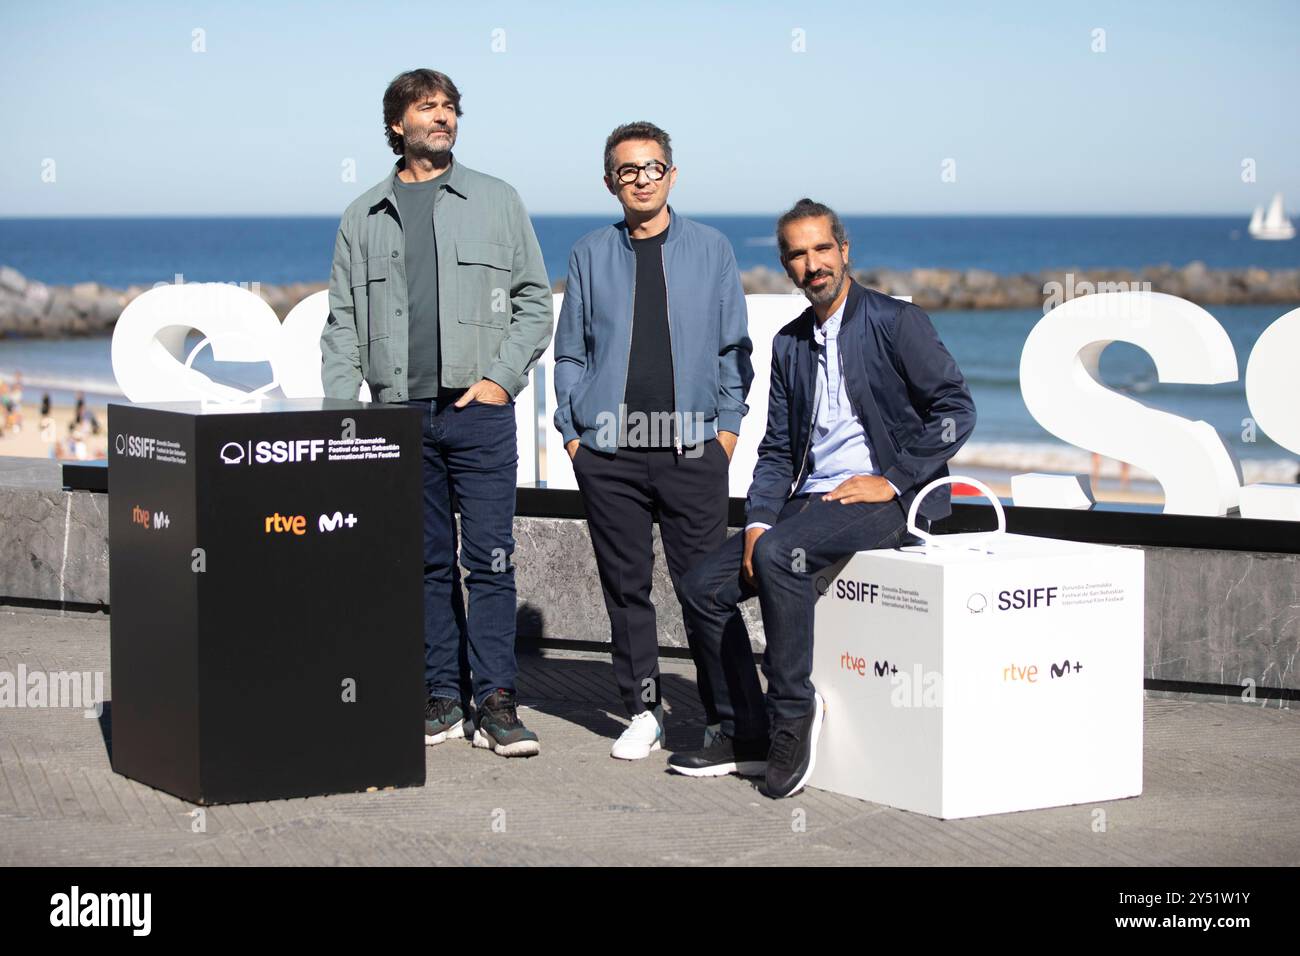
(210, 401)
(934, 540)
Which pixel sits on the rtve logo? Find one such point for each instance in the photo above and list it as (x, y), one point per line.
(141, 516)
(272, 452)
(858, 665)
(1029, 674)
(286, 524)
(297, 524)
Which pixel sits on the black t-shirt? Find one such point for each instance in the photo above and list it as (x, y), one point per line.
(650, 363)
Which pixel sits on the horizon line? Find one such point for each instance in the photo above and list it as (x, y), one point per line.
(712, 215)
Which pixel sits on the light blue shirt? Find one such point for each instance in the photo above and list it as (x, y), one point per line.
(840, 448)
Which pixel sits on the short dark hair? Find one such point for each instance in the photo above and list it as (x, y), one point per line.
(638, 130)
(808, 209)
(411, 87)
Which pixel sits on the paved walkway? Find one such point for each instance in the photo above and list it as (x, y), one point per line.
(1221, 787)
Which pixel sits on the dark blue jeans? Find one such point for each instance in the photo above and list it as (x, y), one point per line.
(469, 452)
(810, 535)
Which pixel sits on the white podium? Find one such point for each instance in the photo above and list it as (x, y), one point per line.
(981, 673)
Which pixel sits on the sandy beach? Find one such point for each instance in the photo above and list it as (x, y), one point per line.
(55, 436)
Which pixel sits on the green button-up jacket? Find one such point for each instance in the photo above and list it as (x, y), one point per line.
(495, 315)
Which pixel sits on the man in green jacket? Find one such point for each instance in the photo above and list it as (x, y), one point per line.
(439, 299)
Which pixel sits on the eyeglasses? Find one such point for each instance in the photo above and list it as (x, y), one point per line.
(654, 171)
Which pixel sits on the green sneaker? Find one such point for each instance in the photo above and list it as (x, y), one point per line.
(499, 729)
(443, 720)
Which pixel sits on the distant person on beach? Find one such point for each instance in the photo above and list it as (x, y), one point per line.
(6, 406)
(48, 430)
(662, 395)
(439, 299)
(866, 406)
(1096, 472)
(74, 444)
(13, 405)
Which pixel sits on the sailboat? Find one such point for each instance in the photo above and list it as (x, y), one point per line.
(1273, 224)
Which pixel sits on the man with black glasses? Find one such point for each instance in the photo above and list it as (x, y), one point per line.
(651, 372)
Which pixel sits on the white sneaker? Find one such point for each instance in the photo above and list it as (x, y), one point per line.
(711, 734)
(644, 735)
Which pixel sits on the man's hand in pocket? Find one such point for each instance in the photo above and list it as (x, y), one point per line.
(486, 391)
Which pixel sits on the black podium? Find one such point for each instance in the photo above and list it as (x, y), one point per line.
(266, 597)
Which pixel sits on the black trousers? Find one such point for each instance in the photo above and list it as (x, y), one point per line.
(623, 494)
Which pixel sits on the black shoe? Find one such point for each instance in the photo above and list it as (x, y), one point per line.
(726, 755)
(793, 752)
(499, 729)
(444, 719)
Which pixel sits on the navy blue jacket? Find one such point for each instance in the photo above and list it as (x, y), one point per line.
(905, 387)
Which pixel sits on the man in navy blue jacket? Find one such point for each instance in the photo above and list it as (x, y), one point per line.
(866, 406)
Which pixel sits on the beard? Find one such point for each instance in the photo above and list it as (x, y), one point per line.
(426, 145)
(831, 290)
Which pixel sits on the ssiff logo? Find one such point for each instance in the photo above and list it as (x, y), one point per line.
(134, 446)
(1026, 598)
(1017, 599)
(863, 591)
(278, 452)
(272, 452)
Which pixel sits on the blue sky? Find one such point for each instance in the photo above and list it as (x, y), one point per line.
(262, 121)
